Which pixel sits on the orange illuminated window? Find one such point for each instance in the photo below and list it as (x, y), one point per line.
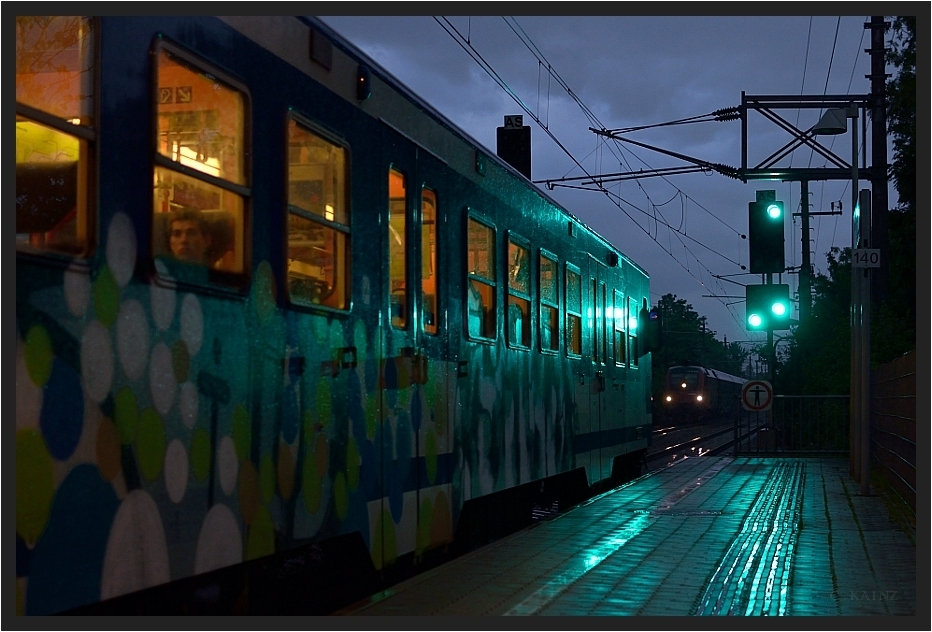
(318, 219)
(55, 135)
(481, 310)
(429, 261)
(549, 305)
(519, 298)
(200, 180)
(397, 249)
(573, 312)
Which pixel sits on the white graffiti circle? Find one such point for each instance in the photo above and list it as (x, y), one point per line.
(137, 555)
(132, 336)
(96, 361)
(121, 248)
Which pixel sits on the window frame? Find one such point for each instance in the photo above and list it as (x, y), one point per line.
(309, 125)
(89, 135)
(470, 277)
(215, 279)
(545, 303)
(520, 242)
(569, 314)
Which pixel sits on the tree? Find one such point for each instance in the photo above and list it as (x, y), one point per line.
(893, 330)
(687, 340)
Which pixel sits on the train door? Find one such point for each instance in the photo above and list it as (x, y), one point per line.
(598, 355)
(431, 408)
(414, 436)
(578, 334)
(393, 517)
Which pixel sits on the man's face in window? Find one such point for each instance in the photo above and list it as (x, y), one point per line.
(188, 241)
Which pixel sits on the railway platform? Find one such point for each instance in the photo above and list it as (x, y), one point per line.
(714, 536)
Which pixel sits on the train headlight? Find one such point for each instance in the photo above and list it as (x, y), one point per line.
(683, 384)
(669, 399)
(698, 398)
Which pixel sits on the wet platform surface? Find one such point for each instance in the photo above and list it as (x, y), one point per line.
(707, 536)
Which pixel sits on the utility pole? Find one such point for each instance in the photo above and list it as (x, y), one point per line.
(805, 270)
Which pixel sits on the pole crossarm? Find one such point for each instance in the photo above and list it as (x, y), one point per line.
(765, 106)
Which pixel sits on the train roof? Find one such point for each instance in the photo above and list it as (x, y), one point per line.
(404, 124)
(713, 373)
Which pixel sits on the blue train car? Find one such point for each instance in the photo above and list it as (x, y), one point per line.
(278, 319)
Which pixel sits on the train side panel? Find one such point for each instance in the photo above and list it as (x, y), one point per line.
(184, 429)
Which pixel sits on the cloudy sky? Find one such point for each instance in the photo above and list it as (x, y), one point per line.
(628, 71)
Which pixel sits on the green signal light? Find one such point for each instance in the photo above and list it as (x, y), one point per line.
(754, 320)
(774, 211)
(778, 308)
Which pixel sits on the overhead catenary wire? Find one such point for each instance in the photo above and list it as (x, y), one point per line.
(476, 56)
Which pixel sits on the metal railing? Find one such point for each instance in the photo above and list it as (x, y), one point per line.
(798, 425)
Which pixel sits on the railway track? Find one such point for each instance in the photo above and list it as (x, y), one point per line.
(674, 442)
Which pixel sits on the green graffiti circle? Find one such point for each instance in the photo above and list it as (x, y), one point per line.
(200, 454)
(150, 444)
(242, 432)
(260, 540)
(35, 484)
(322, 402)
(106, 295)
(126, 414)
(267, 477)
(430, 456)
(38, 355)
(311, 483)
(340, 495)
(352, 464)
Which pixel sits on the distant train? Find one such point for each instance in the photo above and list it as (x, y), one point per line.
(278, 321)
(693, 393)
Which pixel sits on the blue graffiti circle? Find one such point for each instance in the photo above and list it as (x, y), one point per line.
(62, 416)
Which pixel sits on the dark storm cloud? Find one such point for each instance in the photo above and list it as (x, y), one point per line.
(635, 70)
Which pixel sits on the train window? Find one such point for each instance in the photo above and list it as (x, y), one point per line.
(573, 312)
(397, 249)
(429, 261)
(549, 304)
(200, 183)
(55, 134)
(633, 331)
(619, 338)
(318, 219)
(481, 310)
(519, 297)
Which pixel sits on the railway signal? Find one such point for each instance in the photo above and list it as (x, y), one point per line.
(766, 236)
(768, 306)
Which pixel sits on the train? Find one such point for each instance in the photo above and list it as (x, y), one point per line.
(693, 393)
(284, 329)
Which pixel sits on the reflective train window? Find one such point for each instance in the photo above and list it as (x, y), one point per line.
(519, 295)
(55, 133)
(397, 249)
(318, 219)
(633, 331)
(481, 283)
(573, 311)
(200, 183)
(619, 337)
(431, 316)
(549, 304)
